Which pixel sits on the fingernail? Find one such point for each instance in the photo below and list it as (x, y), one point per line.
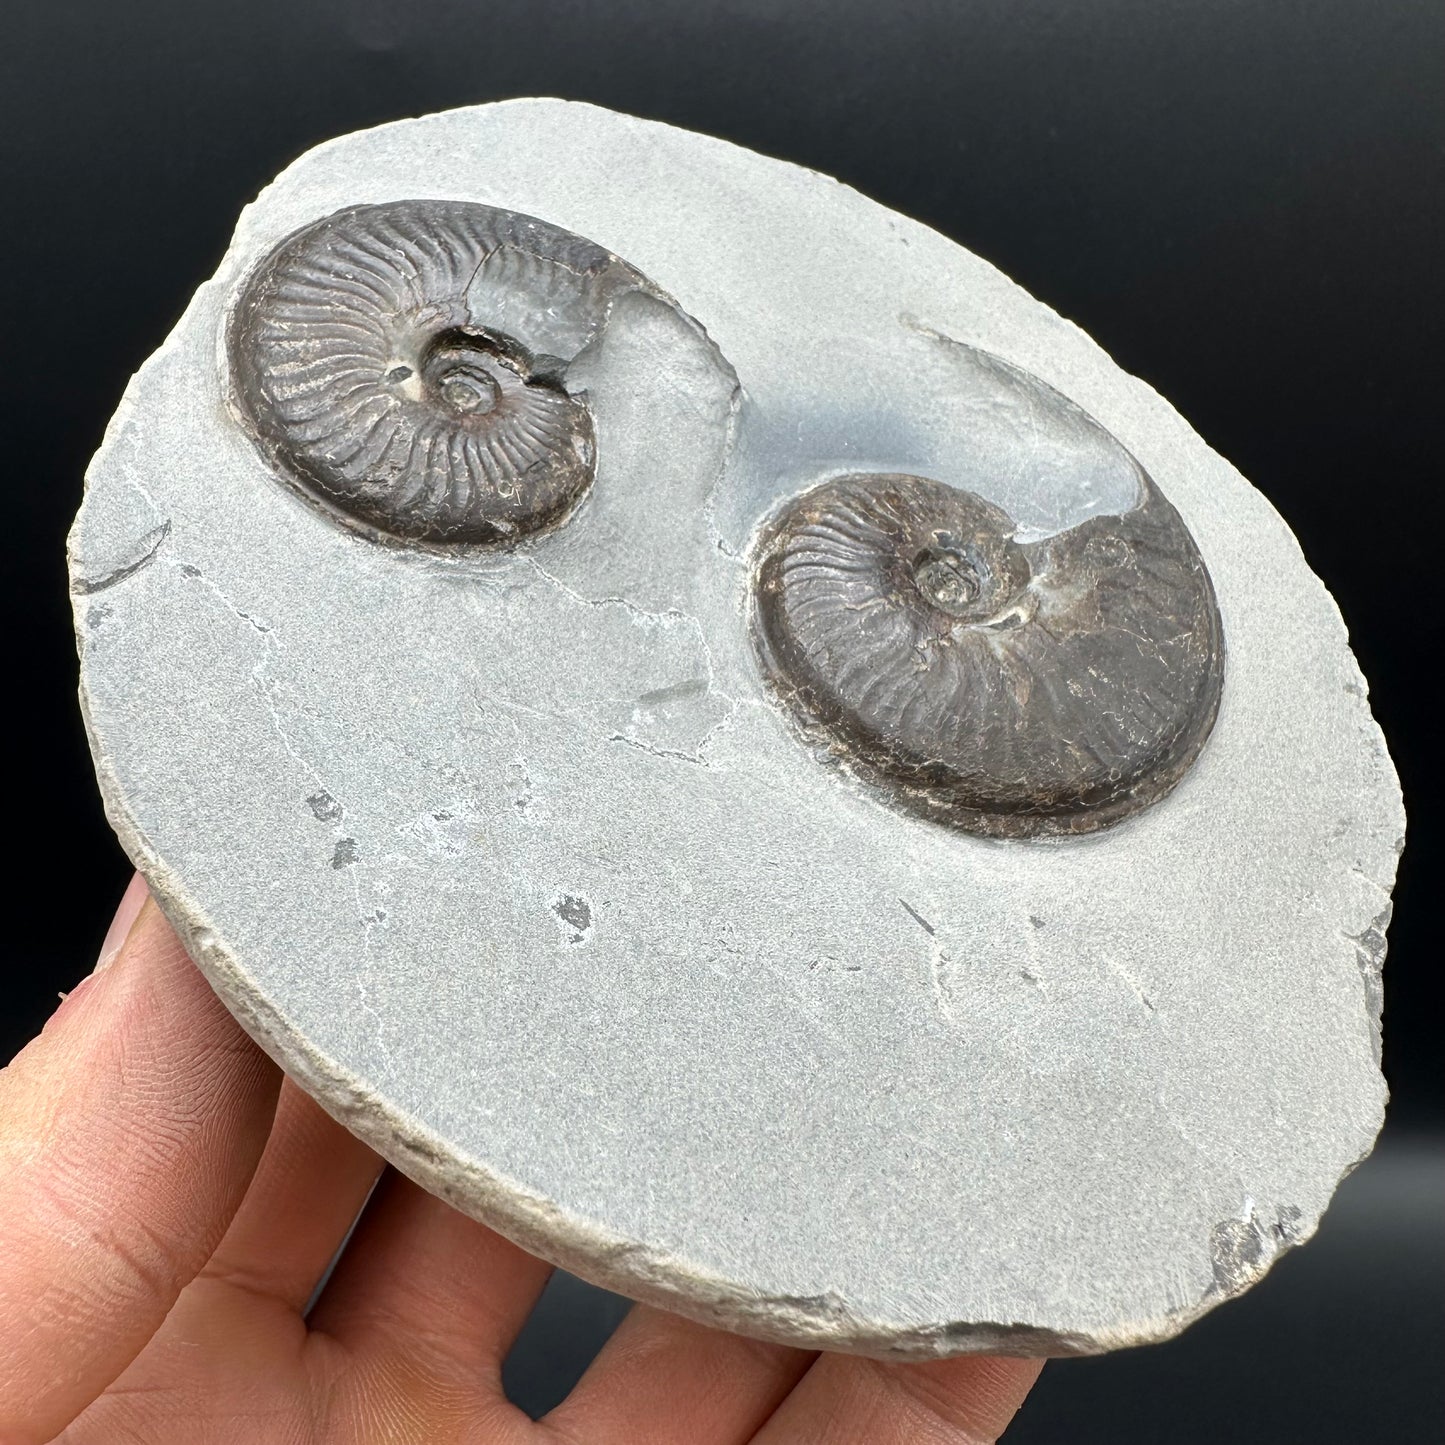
(131, 902)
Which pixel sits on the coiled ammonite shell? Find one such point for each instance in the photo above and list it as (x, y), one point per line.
(1012, 688)
(405, 365)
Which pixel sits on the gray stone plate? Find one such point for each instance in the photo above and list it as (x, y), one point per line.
(511, 860)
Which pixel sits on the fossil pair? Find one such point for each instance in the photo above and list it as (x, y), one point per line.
(410, 368)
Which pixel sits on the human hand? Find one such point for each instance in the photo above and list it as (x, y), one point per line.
(168, 1205)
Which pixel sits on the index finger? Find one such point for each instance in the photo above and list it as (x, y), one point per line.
(128, 1133)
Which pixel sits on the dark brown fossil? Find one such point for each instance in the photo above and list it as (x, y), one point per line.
(405, 366)
(1012, 689)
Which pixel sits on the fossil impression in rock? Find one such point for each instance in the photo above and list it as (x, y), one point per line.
(769, 770)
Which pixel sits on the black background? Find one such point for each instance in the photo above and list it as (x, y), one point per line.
(1242, 202)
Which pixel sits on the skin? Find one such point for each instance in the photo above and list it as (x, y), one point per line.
(169, 1203)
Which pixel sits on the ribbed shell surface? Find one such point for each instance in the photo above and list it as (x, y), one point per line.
(1071, 683)
(404, 365)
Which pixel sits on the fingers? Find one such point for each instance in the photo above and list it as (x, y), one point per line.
(308, 1188)
(663, 1379)
(424, 1296)
(128, 1133)
(844, 1400)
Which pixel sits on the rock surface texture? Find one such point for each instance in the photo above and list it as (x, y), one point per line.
(511, 852)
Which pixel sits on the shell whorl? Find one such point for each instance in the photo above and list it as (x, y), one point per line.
(1013, 689)
(404, 365)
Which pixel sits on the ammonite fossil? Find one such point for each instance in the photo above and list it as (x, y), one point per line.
(1014, 688)
(406, 366)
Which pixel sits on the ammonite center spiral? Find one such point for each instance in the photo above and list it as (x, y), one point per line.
(405, 366)
(1014, 689)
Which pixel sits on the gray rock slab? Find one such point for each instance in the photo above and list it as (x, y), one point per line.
(511, 860)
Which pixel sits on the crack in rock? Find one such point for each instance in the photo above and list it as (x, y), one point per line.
(1370, 948)
(146, 550)
(940, 968)
(1131, 983)
(691, 692)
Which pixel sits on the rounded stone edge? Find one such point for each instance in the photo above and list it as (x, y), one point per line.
(597, 1255)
